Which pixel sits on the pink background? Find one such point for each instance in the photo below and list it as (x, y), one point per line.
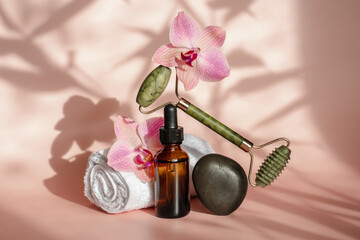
(67, 68)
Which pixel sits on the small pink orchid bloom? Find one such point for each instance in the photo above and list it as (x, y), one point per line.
(136, 146)
(194, 52)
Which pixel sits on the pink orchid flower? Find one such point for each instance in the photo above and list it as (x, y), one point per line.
(136, 146)
(194, 52)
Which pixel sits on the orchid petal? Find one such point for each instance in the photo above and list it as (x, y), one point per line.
(166, 55)
(145, 175)
(120, 157)
(188, 76)
(211, 37)
(125, 131)
(212, 65)
(184, 31)
(149, 133)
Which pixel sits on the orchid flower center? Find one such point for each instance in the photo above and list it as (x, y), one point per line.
(190, 56)
(144, 158)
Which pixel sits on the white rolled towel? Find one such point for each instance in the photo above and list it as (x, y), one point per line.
(116, 192)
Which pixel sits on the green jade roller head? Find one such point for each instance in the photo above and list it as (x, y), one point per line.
(155, 84)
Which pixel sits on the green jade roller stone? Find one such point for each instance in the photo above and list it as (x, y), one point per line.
(153, 86)
(273, 166)
(215, 125)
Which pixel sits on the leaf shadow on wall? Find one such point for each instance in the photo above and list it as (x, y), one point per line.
(233, 8)
(155, 40)
(84, 123)
(330, 72)
(308, 209)
(43, 74)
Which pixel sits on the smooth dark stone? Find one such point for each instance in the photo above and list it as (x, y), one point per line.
(220, 183)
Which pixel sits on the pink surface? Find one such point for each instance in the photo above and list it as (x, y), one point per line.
(67, 68)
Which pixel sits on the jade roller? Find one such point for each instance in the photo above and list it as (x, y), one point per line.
(155, 84)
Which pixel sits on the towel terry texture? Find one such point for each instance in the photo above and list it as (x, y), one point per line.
(116, 192)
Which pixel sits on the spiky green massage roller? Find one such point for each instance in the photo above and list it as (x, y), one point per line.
(155, 84)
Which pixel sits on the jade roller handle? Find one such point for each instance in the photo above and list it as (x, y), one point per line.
(214, 125)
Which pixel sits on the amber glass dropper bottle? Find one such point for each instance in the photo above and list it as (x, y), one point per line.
(172, 197)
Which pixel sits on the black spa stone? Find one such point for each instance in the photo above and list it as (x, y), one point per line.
(220, 183)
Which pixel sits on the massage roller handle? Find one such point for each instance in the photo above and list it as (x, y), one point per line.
(215, 125)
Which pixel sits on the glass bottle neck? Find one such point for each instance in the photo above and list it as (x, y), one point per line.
(172, 147)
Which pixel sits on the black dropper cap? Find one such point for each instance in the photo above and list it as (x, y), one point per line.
(170, 133)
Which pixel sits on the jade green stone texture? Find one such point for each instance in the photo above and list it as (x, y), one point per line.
(215, 125)
(153, 86)
(273, 166)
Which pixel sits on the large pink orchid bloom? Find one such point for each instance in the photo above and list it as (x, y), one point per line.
(194, 52)
(136, 146)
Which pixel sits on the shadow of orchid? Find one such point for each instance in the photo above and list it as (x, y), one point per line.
(84, 123)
